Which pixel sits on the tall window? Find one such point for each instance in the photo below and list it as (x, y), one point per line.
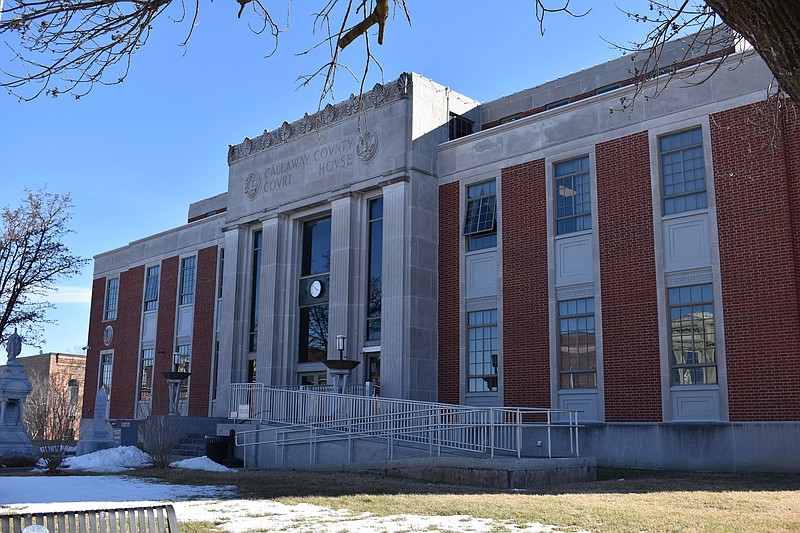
(188, 266)
(112, 295)
(691, 314)
(183, 363)
(683, 171)
(573, 196)
(482, 351)
(374, 294)
(315, 265)
(151, 288)
(577, 364)
(72, 396)
(255, 290)
(220, 276)
(480, 224)
(106, 369)
(146, 375)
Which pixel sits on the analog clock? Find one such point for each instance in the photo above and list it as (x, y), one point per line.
(315, 289)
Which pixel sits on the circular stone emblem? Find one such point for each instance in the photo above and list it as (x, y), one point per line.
(252, 184)
(108, 335)
(367, 146)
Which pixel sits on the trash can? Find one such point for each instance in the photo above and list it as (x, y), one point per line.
(217, 448)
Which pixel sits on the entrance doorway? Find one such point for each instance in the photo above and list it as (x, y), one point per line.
(373, 361)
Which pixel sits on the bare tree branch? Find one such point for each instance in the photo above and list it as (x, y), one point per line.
(378, 16)
(70, 45)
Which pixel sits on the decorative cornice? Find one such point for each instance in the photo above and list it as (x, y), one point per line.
(689, 278)
(380, 95)
(572, 293)
(480, 304)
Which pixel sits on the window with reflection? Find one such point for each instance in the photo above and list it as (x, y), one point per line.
(183, 363)
(146, 375)
(375, 266)
(573, 196)
(188, 267)
(691, 313)
(480, 223)
(482, 351)
(576, 344)
(255, 291)
(151, 288)
(683, 172)
(314, 277)
(106, 370)
(112, 294)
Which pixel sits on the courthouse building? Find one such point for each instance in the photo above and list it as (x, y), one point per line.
(545, 249)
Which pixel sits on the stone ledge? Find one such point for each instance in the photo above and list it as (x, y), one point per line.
(504, 474)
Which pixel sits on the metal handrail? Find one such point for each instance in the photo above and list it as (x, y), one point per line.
(331, 416)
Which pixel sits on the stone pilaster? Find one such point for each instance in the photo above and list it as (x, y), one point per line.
(272, 311)
(344, 236)
(231, 343)
(394, 311)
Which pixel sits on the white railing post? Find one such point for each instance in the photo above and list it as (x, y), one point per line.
(492, 430)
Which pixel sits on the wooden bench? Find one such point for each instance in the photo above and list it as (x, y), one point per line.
(149, 519)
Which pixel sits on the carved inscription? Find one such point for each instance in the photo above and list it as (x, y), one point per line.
(327, 159)
(334, 157)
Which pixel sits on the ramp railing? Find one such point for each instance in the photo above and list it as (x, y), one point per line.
(318, 416)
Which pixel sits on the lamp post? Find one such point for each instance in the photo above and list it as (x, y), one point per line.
(175, 379)
(340, 368)
(340, 344)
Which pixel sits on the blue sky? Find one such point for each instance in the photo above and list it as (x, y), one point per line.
(133, 156)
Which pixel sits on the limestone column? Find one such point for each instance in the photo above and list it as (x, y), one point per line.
(344, 236)
(272, 312)
(230, 364)
(395, 368)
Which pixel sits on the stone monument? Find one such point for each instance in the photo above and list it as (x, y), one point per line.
(16, 448)
(98, 433)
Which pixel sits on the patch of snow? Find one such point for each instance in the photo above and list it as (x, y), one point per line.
(201, 463)
(215, 505)
(40, 493)
(110, 460)
(240, 516)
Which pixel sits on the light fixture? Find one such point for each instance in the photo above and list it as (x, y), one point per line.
(340, 344)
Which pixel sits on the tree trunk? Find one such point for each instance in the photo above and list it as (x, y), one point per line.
(773, 28)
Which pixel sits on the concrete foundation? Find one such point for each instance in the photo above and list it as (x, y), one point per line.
(503, 474)
(728, 447)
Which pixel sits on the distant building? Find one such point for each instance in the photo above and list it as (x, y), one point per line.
(544, 249)
(55, 373)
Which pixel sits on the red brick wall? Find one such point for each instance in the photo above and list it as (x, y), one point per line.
(165, 333)
(791, 149)
(95, 343)
(758, 254)
(526, 325)
(203, 334)
(631, 358)
(125, 343)
(449, 298)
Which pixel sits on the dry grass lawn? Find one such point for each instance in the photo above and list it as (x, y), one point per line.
(620, 501)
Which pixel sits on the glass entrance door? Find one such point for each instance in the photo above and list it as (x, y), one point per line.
(373, 360)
